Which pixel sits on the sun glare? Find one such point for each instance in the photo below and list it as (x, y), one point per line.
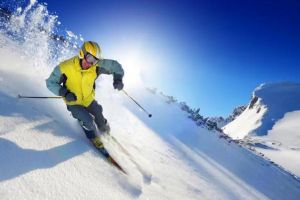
(132, 62)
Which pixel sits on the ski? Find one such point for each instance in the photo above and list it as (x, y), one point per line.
(146, 175)
(101, 149)
(109, 159)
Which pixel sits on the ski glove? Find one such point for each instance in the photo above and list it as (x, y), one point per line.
(118, 83)
(69, 96)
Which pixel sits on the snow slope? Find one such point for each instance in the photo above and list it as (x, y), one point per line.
(45, 155)
(271, 124)
(269, 104)
(283, 142)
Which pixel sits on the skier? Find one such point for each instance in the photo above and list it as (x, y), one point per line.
(74, 80)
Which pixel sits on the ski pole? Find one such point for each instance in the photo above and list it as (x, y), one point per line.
(34, 97)
(149, 115)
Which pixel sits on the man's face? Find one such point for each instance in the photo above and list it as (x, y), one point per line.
(88, 61)
(85, 64)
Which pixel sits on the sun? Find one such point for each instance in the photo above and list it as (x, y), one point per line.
(131, 60)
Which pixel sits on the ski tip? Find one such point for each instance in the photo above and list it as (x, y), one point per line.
(119, 168)
(114, 163)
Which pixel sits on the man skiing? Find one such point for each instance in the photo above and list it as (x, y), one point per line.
(74, 80)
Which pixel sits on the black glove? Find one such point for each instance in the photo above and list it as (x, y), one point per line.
(69, 96)
(118, 84)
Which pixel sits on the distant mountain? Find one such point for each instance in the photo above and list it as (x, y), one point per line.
(221, 122)
(269, 103)
(211, 123)
(270, 124)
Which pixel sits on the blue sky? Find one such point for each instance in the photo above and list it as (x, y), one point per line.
(209, 53)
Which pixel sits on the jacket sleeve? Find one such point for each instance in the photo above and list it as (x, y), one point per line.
(113, 67)
(54, 81)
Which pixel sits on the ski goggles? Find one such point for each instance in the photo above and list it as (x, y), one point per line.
(91, 59)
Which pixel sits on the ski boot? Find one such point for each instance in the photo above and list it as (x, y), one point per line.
(99, 145)
(104, 129)
(97, 142)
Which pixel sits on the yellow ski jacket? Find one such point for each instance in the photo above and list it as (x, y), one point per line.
(79, 81)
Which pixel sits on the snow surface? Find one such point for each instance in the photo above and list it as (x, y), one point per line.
(282, 143)
(273, 101)
(271, 124)
(45, 155)
(247, 122)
